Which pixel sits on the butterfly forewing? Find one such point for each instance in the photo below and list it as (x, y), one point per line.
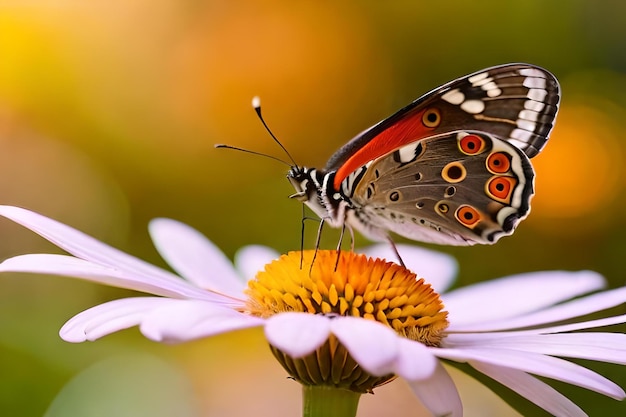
(514, 102)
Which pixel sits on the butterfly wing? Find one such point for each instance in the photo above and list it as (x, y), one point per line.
(457, 188)
(516, 103)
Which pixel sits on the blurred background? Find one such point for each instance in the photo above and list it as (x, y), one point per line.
(109, 111)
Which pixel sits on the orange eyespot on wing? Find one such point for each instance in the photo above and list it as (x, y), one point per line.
(471, 144)
(501, 188)
(498, 163)
(467, 215)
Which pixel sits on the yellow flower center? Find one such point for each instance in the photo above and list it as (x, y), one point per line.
(354, 286)
(346, 284)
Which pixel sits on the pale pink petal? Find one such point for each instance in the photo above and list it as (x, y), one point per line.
(373, 345)
(415, 361)
(195, 257)
(438, 393)
(532, 389)
(251, 259)
(65, 265)
(297, 334)
(82, 245)
(547, 366)
(571, 309)
(437, 268)
(516, 295)
(605, 347)
(184, 320)
(109, 318)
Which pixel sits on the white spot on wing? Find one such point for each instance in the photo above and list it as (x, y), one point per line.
(482, 82)
(529, 115)
(490, 87)
(531, 72)
(532, 82)
(518, 143)
(454, 96)
(407, 153)
(537, 94)
(526, 125)
(519, 134)
(494, 92)
(478, 77)
(534, 105)
(473, 106)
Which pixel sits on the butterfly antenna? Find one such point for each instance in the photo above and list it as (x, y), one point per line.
(234, 148)
(256, 104)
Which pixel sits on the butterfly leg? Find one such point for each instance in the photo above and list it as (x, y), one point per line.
(343, 231)
(317, 243)
(395, 249)
(302, 238)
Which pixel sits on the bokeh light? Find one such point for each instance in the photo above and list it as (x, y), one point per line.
(580, 178)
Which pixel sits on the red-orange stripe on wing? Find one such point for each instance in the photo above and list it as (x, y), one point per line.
(403, 132)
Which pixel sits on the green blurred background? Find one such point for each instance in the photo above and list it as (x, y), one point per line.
(109, 111)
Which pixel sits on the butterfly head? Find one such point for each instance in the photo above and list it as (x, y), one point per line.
(312, 188)
(301, 181)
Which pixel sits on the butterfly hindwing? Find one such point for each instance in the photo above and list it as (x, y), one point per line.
(457, 188)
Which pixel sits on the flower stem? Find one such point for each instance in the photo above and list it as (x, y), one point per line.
(325, 401)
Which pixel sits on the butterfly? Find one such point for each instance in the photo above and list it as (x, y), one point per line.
(452, 167)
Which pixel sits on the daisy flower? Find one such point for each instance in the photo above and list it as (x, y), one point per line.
(349, 323)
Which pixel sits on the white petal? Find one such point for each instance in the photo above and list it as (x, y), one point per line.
(550, 367)
(184, 320)
(438, 393)
(78, 268)
(562, 328)
(590, 324)
(373, 345)
(251, 259)
(516, 295)
(437, 268)
(108, 318)
(605, 347)
(297, 334)
(571, 309)
(195, 257)
(415, 361)
(532, 389)
(81, 245)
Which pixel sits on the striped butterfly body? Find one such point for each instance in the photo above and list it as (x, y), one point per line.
(453, 167)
